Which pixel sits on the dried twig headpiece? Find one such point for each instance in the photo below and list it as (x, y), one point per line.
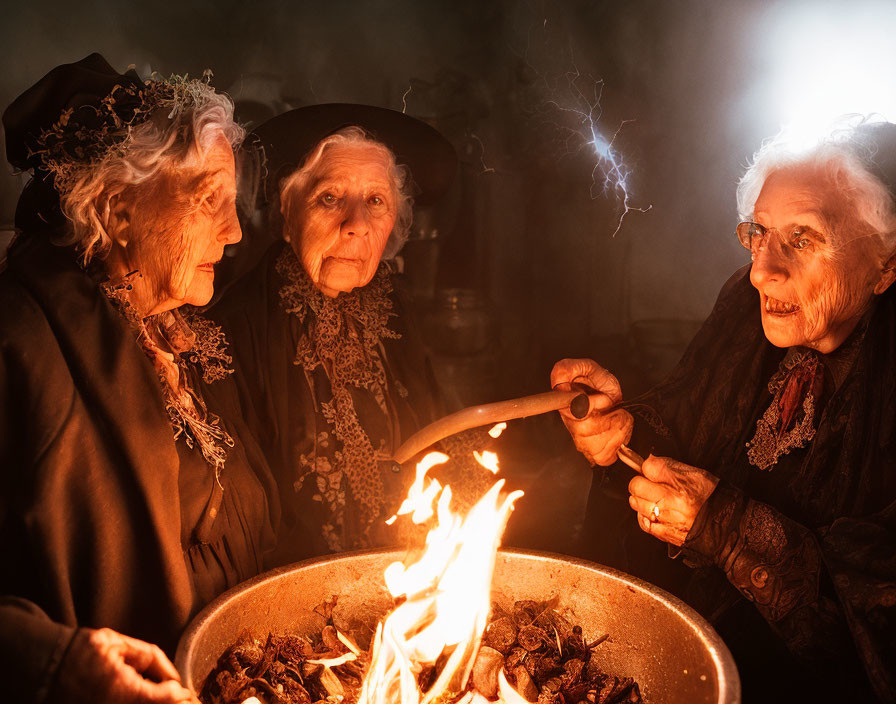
(86, 136)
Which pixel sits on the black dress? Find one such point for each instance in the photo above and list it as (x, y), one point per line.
(242, 534)
(793, 556)
(104, 518)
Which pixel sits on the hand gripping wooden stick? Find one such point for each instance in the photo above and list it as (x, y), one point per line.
(625, 454)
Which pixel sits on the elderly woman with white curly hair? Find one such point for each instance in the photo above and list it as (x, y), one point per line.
(132, 494)
(330, 364)
(775, 437)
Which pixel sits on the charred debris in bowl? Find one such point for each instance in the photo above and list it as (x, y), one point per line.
(547, 659)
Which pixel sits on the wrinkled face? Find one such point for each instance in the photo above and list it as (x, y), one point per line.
(814, 282)
(344, 218)
(178, 226)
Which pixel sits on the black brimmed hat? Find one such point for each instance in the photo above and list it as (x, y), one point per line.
(289, 138)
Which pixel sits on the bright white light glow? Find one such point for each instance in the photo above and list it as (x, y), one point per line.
(825, 60)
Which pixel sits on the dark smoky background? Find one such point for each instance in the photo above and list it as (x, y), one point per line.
(530, 258)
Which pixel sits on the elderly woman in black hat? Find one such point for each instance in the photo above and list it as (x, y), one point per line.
(330, 364)
(131, 492)
(777, 433)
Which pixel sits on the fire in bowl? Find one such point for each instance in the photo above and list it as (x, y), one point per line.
(671, 651)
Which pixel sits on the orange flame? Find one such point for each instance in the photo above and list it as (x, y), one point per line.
(348, 642)
(496, 430)
(487, 459)
(446, 595)
(506, 692)
(422, 492)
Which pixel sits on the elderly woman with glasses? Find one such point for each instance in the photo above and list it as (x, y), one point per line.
(131, 493)
(773, 465)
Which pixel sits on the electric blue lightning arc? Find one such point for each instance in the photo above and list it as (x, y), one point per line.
(571, 104)
(615, 173)
(610, 175)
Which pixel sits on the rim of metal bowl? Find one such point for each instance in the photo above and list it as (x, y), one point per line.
(729, 678)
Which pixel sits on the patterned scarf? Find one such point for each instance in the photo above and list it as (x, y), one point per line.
(342, 337)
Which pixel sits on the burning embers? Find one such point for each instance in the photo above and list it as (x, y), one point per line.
(546, 658)
(285, 670)
(436, 646)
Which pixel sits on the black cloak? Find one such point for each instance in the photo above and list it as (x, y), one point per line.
(98, 504)
(795, 565)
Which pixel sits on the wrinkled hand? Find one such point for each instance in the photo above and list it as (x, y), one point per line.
(677, 490)
(106, 666)
(598, 435)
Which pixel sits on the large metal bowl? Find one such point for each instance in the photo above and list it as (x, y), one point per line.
(665, 645)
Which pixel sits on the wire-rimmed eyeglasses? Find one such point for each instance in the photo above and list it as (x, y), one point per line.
(754, 236)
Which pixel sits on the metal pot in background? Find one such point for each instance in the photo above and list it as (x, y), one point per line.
(462, 334)
(671, 651)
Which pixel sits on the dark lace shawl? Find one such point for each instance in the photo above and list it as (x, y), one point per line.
(710, 402)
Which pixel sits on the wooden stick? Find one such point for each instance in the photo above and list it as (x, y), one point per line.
(630, 457)
(489, 414)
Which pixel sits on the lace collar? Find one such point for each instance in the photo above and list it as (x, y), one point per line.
(362, 314)
(173, 343)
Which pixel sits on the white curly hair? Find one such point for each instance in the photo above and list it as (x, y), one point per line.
(843, 158)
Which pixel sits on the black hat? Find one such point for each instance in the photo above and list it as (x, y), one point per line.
(71, 94)
(288, 138)
(78, 88)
